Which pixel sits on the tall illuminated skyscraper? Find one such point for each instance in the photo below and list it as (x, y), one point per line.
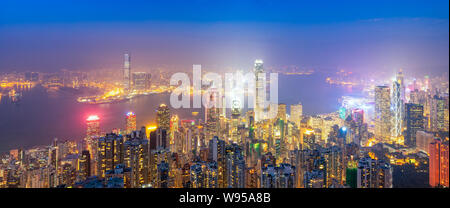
(260, 90)
(414, 122)
(396, 110)
(109, 153)
(163, 117)
(212, 115)
(382, 113)
(401, 80)
(437, 114)
(174, 141)
(296, 113)
(92, 132)
(135, 156)
(282, 112)
(130, 122)
(126, 72)
(235, 114)
(439, 163)
(93, 126)
(235, 166)
(217, 154)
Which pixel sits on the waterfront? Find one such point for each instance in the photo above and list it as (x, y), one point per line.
(57, 114)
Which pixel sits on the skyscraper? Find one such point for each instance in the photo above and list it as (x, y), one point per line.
(84, 165)
(126, 72)
(260, 90)
(401, 80)
(439, 163)
(414, 122)
(282, 112)
(396, 110)
(92, 132)
(372, 173)
(423, 140)
(437, 114)
(382, 113)
(130, 122)
(109, 153)
(212, 115)
(235, 166)
(136, 156)
(217, 154)
(163, 117)
(296, 113)
(93, 126)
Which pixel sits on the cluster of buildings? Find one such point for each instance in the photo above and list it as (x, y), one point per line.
(236, 149)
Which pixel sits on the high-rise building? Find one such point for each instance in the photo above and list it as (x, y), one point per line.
(334, 166)
(163, 117)
(92, 133)
(175, 140)
(84, 165)
(235, 166)
(235, 115)
(423, 140)
(158, 139)
(437, 114)
(212, 114)
(217, 155)
(414, 122)
(282, 112)
(439, 163)
(204, 175)
(136, 156)
(382, 113)
(282, 176)
(296, 114)
(162, 180)
(396, 110)
(93, 126)
(260, 84)
(373, 173)
(401, 80)
(109, 153)
(251, 178)
(126, 72)
(130, 122)
(314, 179)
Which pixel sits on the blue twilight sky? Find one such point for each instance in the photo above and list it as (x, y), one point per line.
(355, 35)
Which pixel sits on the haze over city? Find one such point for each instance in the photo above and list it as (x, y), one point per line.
(357, 36)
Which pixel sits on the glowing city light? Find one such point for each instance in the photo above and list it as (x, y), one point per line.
(93, 118)
(130, 114)
(309, 132)
(151, 128)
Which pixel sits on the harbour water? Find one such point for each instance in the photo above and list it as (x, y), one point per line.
(41, 116)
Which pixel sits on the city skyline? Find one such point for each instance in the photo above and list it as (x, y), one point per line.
(206, 94)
